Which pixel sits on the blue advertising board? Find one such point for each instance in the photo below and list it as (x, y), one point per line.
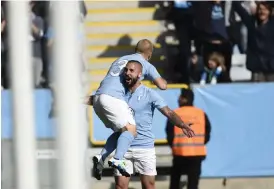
(241, 115)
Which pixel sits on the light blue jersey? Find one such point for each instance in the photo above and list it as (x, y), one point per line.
(143, 102)
(112, 84)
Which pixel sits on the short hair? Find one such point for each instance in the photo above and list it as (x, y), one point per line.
(144, 46)
(188, 94)
(136, 62)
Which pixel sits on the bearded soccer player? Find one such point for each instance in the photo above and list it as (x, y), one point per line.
(143, 101)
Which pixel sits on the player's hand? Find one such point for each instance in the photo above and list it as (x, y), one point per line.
(187, 130)
(89, 100)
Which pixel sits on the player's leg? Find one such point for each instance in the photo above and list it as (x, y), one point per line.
(121, 182)
(98, 160)
(125, 139)
(116, 115)
(148, 182)
(145, 164)
(111, 143)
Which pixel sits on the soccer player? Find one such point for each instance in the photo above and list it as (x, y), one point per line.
(141, 154)
(110, 106)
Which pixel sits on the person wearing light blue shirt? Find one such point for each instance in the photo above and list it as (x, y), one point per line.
(143, 101)
(110, 105)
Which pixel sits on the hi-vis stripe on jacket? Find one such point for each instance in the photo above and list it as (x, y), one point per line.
(195, 146)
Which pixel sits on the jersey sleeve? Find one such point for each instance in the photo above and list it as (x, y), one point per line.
(157, 101)
(152, 73)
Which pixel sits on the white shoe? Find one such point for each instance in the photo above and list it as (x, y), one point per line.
(120, 165)
(98, 166)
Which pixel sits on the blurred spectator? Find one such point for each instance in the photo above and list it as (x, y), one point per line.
(215, 71)
(83, 10)
(4, 48)
(196, 68)
(260, 49)
(3, 27)
(209, 20)
(181, 15)
(49, 40)
(41, 9)
(188, 153)
(250, 7)
(234, 26)
(37, 32)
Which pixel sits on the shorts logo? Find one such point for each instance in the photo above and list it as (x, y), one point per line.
(131, 111)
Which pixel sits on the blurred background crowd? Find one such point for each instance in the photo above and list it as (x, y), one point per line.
(41, 38)
(216, 28)
(197, 41)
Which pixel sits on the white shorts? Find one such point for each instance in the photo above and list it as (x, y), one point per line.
(113, 112)
(140, 160)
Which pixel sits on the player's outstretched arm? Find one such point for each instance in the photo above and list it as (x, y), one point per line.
(160, 83)
(177, 121)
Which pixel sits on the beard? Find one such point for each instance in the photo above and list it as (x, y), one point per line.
(131, 82)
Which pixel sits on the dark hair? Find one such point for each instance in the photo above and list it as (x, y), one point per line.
(188, 94)
(267, 4)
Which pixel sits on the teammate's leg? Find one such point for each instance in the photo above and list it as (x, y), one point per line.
(148, 182)
(116, 115)
(110, 145)
(124, 141)
(98, 160)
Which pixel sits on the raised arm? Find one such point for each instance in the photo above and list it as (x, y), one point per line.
(246, 18)
(177, 121)
(154, 76)
(160, 83)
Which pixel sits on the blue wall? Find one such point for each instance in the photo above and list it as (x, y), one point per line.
(44, 125)
(242, 118)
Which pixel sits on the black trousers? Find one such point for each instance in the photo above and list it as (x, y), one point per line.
(184, 30)
(190, 166)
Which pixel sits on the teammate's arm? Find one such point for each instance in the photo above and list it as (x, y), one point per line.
(153, 75)
(177, 121)
(160, 83)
